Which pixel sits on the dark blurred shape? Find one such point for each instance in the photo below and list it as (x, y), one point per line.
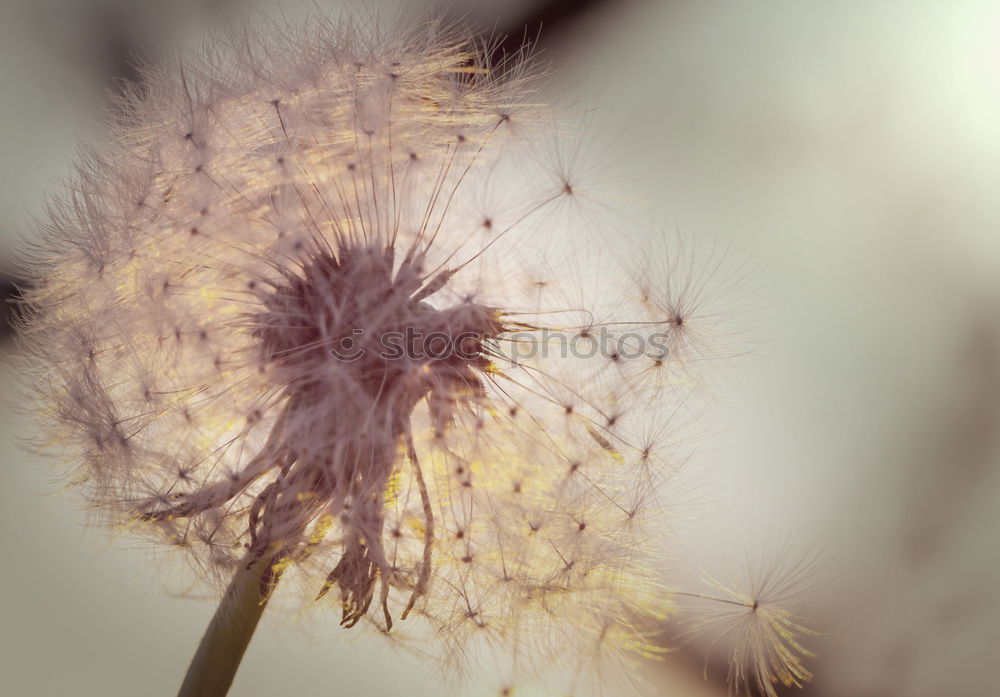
(8, 307)
(951, 464)
(125, 35)
(120, 47)
(543, 22)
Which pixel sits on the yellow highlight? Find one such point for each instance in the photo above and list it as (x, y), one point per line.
(322, 527)
(393, 487)
(280, 565)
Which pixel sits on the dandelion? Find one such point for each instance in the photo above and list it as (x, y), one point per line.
(752, 616)
(284, 326)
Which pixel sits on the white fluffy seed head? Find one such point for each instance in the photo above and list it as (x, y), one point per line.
(221, 335)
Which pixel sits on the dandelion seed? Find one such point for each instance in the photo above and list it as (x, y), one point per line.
(277, 327)
(752, 616)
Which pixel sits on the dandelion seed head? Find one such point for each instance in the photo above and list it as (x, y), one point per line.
(279, 319)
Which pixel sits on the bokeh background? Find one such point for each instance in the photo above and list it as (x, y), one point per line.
(848, 151)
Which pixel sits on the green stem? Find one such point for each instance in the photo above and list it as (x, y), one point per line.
(222, 647)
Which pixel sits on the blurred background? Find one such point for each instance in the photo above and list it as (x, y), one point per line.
(850, 150)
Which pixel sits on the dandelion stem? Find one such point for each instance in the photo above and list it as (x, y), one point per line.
(222, 647)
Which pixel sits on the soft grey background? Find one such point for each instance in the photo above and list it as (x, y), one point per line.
(850, 150)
